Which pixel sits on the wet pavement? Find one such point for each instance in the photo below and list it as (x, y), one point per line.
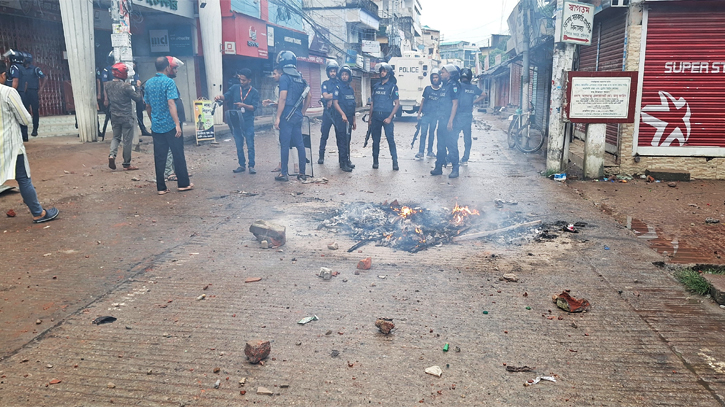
(123, 251)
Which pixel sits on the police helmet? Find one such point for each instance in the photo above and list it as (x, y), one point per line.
(437, 73)
(332, 65)
(15, 57)
(467, 74)
(28, 57)
(387, 68)
(287, 60)
(349, 73)
(452, 71)
(110, 59)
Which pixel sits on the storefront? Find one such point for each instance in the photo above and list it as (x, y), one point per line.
(37, 29)
(682, 81)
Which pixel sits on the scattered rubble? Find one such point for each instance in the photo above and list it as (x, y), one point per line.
(712, 220)
(365, 264)
(273, 233)
(333, 246)
(434, 370)
(201, 297)
(104, 320)
(385, 325)
(325, 273)
(217, 383)
(10, 213)
(510, 277)
(256, 351)
(569, 303)
(264, 391)
(306, 320)
(516, 369)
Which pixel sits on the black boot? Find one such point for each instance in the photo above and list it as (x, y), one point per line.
(345, 168)
(375, 163)
(454, 172)
(322, 159)
(351, 165)
(438, 170)
(395, 165)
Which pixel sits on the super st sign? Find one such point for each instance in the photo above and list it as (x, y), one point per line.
(577, 23)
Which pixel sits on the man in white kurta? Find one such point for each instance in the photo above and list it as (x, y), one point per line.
(14, 164)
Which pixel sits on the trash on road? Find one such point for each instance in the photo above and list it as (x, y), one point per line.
(385, 325)
(569, 303)
(365, 264)
(333, 246)
(307, 320)
(104, 320)
(570, 228)
(510, 277)
(538, 379)
(446, 347)
(325, 273)
(434, 370)
(247, 193)
(256, 351)
(217, 383)
(712, 220)
(517, 369)
(311, 180)
(272, 232)
(560, 177)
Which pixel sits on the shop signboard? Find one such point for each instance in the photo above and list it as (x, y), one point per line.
(577, 23)
(288, 40)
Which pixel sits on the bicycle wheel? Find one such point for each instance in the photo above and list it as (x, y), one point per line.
(529, 139)
(513, 131)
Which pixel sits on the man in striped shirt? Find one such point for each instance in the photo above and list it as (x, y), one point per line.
(14, 164)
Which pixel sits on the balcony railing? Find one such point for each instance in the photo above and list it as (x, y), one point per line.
(367, 5)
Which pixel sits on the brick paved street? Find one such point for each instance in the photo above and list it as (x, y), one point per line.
(121, 250)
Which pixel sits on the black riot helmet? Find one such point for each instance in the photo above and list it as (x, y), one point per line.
(110, 59)
(287, 60)
(349, 74)
(28, 58)
(466, 74)
(15, 57)
(435, 77)
(332, 65)
(387, 68)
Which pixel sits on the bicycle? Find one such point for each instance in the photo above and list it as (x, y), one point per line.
(524, 133)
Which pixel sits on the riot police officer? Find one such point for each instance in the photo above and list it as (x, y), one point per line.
(329, 115)
(294, 99)
(429, 112)
(468, 96)
(15, 79)
(31, 84)
(344, 102)
(385, 103)
(447, 149)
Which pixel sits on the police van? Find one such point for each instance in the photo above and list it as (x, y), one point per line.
(411, 71)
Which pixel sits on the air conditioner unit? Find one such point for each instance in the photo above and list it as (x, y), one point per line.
(620, 3)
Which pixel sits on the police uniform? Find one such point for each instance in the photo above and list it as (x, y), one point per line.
(290, 131)
(428, 122)
(464, 116)
(329, 115)
(16, 72)
(31, 84)
(384, 97)
(447, 147)
(345, 96)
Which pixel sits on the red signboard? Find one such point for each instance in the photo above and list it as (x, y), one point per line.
(249, 35)
(683, 87)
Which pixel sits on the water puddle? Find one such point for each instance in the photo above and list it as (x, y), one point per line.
(677, 251)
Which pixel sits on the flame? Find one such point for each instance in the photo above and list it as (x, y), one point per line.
(461, 212)
(418, 231)
(405, 211)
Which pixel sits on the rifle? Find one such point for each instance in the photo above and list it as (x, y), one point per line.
(415, 136)
(299, 102)
(367, 136)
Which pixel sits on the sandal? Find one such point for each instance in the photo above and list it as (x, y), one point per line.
(130, 168)
(50, 214)
(189, 188)
(163, 192)
(172, 178)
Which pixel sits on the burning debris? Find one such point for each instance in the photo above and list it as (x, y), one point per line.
(409, 228)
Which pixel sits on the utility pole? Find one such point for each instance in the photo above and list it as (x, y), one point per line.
(121, 42)
(526, 78)
(556, 158)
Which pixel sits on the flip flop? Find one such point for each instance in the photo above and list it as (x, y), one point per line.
(163, 192)
(50, 214)
(172, 178)
(130, 168)
(189, 188)
(112, 162)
